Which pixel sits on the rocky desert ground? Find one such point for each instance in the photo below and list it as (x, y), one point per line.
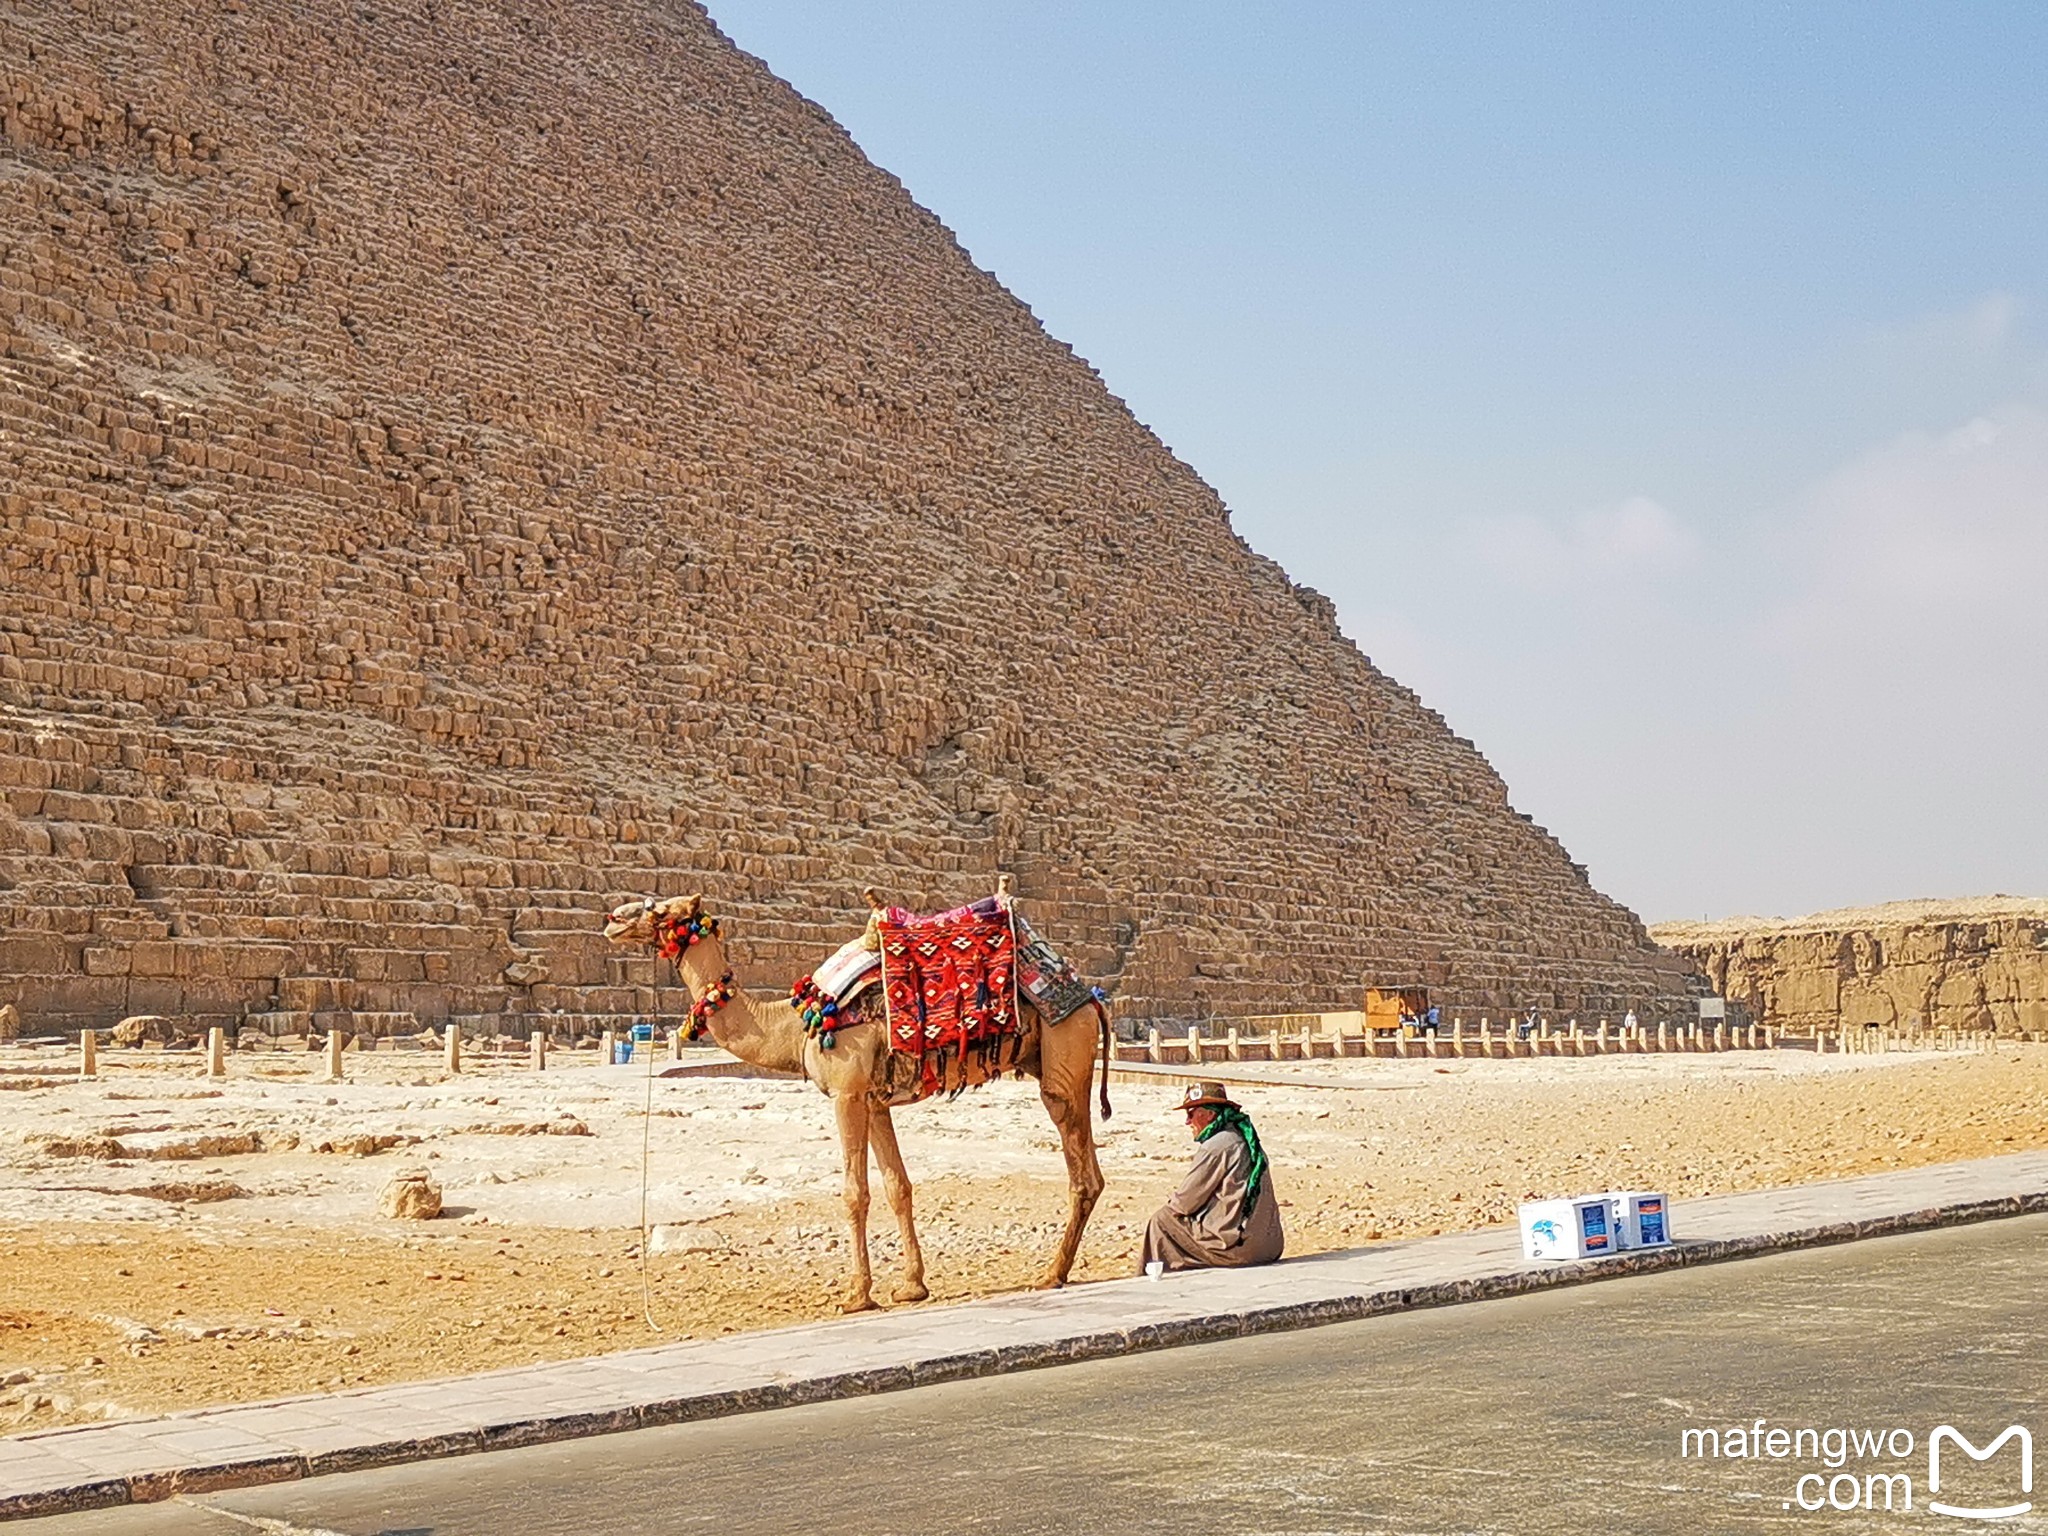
(168, 1241)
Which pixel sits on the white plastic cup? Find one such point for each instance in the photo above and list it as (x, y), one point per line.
(1154, 1268)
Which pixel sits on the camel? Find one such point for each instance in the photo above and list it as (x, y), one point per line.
(865, 1079)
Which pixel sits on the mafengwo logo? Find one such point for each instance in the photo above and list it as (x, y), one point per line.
(1872, 1468)
(1947, 1434)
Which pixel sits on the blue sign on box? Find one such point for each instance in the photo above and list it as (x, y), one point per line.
(1642, 1218)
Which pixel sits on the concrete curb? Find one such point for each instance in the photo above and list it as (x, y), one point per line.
(265, 1466)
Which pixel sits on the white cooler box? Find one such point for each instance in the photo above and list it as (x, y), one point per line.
(1583, 1228)
(1642, 1218)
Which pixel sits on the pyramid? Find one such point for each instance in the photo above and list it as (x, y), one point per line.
(461, 465)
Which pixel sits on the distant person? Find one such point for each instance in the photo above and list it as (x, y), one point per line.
(1628, 1021)
(1433, 1020)
(1226, 1213)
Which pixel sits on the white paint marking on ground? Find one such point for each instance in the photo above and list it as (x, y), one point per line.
(262, 1523)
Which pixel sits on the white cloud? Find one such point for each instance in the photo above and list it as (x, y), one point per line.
(1975, 330)
(1837, 702)
(1851, 710)
(1631, 540)
(1934, 545)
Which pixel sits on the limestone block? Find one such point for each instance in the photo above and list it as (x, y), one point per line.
(34, 955)
(105, 960)
(314, 994)
(410, 1196)
(138, 1028)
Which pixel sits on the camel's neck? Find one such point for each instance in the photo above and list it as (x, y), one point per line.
(766, 1034)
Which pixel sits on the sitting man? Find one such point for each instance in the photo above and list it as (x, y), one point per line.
(1226, 1213)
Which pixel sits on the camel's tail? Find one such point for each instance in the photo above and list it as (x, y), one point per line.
(1108, 1053)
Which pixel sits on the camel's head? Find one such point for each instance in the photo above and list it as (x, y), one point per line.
(670, 926)
(632, 922)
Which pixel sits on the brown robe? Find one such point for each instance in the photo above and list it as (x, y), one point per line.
(1204, 1224)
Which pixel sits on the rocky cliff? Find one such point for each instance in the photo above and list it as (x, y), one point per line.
(460, 464)
(1978, 965)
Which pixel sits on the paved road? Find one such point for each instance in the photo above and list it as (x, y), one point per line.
(1558, 1413)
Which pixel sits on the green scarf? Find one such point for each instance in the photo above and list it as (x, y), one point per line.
(1230, 1118)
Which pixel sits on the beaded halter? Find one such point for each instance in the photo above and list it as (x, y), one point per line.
(674, 935)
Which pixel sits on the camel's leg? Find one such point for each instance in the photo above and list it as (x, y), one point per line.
(896, 1185)
(853, 1113)
(1066, 1056)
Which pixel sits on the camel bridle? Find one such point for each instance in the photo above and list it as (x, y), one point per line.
(675, 935)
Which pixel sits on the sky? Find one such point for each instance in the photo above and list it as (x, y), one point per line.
(1661, 392)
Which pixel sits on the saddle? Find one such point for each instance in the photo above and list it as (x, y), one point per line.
(951, 984)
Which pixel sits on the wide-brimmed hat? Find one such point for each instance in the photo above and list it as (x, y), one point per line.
(1205, 1096)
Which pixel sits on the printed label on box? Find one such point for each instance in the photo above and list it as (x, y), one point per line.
(1650, 1221)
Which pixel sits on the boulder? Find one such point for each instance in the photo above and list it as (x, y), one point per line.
(139, 1027)
(412, 1196)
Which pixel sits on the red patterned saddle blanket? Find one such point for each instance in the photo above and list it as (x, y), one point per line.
(951, 986)
(950, 980)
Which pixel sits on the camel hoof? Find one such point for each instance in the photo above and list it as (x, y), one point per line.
(860, 1304)
(910, 1291)
(1049, 1282)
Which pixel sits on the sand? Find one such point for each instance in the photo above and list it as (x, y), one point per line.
(167, 1243)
